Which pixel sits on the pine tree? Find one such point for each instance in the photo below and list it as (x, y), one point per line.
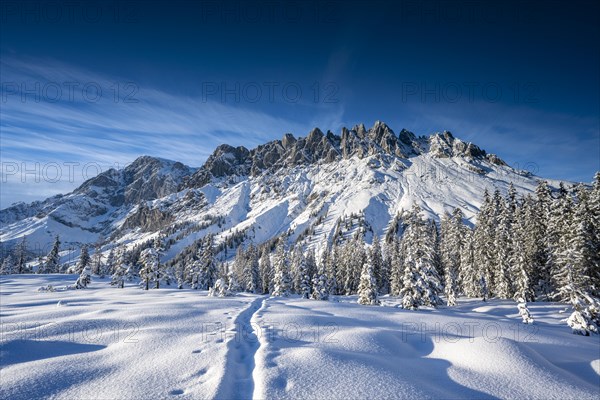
(321, 283)
(339, 255)
(98, 267)
(251, 272)
(208, 265)
(305, 278)
(326, 267)
(594, 207)
(219, 289)
(524, 311)
(161, 273)
(120, 269)
(376, 257)
(585, 318)
(545, 240)
(582, 229)
(84, 260)
(503, 250)
(50, 266)
(281, 278)
(21, 255)
(397, 267)
(109, 266)
(180, 274)
(571, 266)
(295, 265)
(484, 238)
(451, 247)
(566, 267)
(353, 256)
(85, 276)
(232, 284)
(8, 266)
(367, 288)
(266, 271)
(421, 283)
(238, 267)
(470, 272)
(386, 271)
(150, 267)
(523, 258)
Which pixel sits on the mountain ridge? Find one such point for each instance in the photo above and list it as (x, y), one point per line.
(293, 185)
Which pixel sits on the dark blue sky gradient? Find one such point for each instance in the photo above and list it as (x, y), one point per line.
(534, 66)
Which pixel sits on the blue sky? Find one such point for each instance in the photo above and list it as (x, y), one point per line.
(87, 86)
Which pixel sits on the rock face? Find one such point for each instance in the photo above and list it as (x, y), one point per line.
(326, 148)
(147, 178)
(154, 194)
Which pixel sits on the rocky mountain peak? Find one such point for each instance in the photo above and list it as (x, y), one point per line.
(317, 147)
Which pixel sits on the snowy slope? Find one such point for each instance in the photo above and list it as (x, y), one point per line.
(299, 186)
(131, 344)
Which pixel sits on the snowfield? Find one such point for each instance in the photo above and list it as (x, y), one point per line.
(110, 343)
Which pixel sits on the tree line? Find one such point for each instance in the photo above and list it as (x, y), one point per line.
(535, 247)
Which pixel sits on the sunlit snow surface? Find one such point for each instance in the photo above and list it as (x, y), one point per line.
(110, 343)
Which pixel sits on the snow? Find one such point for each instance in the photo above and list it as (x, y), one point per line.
(291, 200)
(168, 343)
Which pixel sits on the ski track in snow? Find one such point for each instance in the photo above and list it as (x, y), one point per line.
(104, 342)
(237, 381)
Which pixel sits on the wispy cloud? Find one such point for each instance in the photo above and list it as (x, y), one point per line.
(62, 117)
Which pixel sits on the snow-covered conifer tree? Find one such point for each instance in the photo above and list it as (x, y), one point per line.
(594, 206)
(266, 271)
(484, 238)
(109, 266)
(396, 266)
(376, 257)
(252, 281)
(320, 282)
(84, 260)
(305, 278)
(208, 265)
(421, 283)
(503, 251)
(524, 311)
(150, 267)
(51, 265)
(367, 288)
(97, 265)
(523, 256)
(451, 247)
(120, 269)
(21, 257)
(281, 278)
(8, 266)
(219, 289)
(85, 277)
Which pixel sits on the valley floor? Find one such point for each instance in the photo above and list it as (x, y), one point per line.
(108, 343)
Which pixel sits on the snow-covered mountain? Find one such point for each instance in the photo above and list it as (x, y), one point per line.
(309, 187)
